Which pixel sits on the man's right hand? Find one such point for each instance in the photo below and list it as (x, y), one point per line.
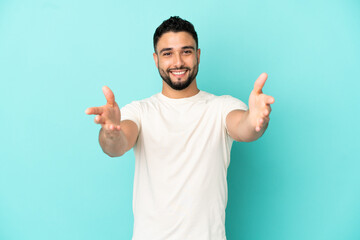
(107, 115)
(114, 140)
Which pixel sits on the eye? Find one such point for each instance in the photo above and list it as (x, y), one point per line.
(187, 52)
(166, 53)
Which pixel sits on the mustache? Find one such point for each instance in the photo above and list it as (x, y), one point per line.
(180, 68)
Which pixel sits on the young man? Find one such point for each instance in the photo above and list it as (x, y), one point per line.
(182, 139)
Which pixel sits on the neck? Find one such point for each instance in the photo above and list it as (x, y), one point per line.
(190, 91)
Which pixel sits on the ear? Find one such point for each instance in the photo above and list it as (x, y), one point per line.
(198, 54)
(156, 60)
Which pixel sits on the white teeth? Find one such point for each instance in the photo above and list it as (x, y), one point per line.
(178, 73)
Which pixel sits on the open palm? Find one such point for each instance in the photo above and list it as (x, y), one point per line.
(108, 115)
(259, 104)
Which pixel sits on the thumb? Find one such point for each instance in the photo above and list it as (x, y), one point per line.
(260, 82)
(109, 95)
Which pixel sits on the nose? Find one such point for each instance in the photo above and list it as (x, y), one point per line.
(178, 61)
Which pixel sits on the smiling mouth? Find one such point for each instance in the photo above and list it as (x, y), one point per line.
(178, 73)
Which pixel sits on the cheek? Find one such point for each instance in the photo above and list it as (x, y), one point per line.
(163, 64)
(162, 67)
(194, 63)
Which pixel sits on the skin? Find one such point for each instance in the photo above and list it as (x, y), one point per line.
(177, 52)
(247, 126)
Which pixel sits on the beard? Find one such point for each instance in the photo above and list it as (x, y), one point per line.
(165, 75)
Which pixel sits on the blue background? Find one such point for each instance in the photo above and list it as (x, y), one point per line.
(299, 181)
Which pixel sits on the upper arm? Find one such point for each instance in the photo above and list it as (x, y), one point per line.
(233, 120)
(131, 132)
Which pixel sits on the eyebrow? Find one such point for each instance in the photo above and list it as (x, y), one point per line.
(188, 47)
(184, 47)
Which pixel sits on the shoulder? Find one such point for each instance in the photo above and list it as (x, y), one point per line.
(141, 105)
(215, 98)
(144, 101)
(226, 102)
(226, 98)
(221, 98)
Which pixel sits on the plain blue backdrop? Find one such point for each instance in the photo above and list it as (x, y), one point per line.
(299, 181)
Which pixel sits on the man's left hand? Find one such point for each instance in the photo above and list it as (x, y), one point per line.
(259, 104)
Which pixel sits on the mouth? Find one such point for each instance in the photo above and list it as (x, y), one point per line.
(178, 73)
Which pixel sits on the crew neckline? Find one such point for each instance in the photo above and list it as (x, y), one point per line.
(186, 99)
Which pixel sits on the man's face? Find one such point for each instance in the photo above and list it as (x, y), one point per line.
(177, 59)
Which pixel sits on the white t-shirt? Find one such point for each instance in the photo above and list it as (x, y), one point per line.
(181, 158)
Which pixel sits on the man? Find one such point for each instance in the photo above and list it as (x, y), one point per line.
(182, 139)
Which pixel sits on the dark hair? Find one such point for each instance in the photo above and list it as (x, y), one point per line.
(175, 24)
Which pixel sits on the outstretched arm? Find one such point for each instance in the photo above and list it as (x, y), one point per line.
(116, 137)
(247, 126)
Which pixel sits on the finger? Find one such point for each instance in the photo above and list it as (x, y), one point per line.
(259, 124)
(107, 127)
(109, 95)
(267, 111)
(259, 83)
(94, 110)
(269, 100)
(114, 127)
(99, 120)
(265, 121)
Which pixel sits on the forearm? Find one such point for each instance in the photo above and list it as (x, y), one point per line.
(112, 142)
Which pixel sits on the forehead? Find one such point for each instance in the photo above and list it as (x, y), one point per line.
(175, 40)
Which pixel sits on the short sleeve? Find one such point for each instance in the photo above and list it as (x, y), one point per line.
(132, 111)
(229, 104)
